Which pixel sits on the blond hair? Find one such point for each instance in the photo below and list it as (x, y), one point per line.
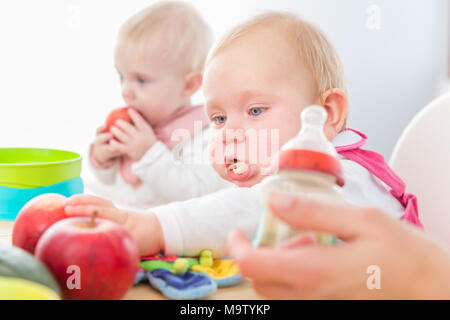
(318, 54)
(183, 34)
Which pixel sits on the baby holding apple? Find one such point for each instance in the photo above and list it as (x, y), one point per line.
(259, 77)
(159, 56)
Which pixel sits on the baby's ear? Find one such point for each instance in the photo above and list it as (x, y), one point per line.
(336, 103)
(192, 82)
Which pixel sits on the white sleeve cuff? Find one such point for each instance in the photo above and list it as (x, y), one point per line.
(106, 176)
(173, 239)
(153, 154)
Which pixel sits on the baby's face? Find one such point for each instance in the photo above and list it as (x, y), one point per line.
(149, 83)
(255, 91)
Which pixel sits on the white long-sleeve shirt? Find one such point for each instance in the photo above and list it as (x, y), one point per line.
(205, 222)
(167, 175)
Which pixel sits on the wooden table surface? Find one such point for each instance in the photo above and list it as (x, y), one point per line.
(243, 291)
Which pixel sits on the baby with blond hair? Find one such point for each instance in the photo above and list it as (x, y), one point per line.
(159, 57)
(259, 77)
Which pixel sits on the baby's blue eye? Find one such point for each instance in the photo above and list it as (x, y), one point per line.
(256, 111)
(141, 81)
(220, 119)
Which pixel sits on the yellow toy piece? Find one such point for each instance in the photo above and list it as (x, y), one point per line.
(20, 289)
(220, 269)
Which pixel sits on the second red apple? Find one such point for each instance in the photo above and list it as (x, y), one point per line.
(35, 217)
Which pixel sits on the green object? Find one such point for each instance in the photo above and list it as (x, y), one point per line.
(206, 259)
(150, 265)
(17, 263)
(33, 168)
(180, 266)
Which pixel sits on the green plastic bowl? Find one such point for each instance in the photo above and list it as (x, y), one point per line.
(33, 168)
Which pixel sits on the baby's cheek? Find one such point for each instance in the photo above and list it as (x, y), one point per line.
(215, 152)
(267, 147)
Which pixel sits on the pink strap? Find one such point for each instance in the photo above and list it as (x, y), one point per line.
(356, 145)
(375, 164)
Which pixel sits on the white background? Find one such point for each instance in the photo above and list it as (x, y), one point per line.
(57, 78)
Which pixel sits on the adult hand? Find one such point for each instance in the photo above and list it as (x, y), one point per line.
(408, 263)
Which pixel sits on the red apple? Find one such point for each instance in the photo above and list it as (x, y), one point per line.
(121, 113)
(35, 217)
(91, 258)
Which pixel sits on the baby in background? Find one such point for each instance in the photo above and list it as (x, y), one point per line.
(260, 77)
(159, 56)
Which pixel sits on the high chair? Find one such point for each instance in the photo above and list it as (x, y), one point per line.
(421, 158)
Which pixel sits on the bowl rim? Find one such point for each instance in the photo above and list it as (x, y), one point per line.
(29, 164)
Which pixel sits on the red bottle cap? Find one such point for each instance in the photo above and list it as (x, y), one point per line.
(303, 159)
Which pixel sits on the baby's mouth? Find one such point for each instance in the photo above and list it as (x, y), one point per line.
(238, 170)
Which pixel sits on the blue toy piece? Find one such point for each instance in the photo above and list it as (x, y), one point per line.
(141, 276)
(190, 285)
(13, 199)
(229, 281)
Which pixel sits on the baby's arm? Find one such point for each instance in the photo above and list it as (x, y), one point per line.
(176, 180)
(144, 227)
(181, 228)
(190, 226)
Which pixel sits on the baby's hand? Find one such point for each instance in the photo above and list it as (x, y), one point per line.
(85, 205)
(144, 227)
(103, 152)
(133, 140)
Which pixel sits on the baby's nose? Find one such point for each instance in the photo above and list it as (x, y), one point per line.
(128, 93)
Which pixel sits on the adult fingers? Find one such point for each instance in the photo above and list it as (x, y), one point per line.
(308, 265)
(298, 241)
(344, 221)
(258, 264)
(275, 291)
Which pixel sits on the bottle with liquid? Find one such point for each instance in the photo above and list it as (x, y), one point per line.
(308, 168)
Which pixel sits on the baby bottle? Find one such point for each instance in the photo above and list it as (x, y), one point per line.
(308, 168)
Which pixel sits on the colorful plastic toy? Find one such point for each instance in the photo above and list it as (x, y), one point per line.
(205, 258)
(224, 272)
(188, 277)
(190, 285)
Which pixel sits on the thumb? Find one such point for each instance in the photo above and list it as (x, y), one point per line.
(259, 264)
(344, 221)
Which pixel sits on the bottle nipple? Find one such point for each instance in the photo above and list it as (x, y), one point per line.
(310, 149)
(312, 136)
